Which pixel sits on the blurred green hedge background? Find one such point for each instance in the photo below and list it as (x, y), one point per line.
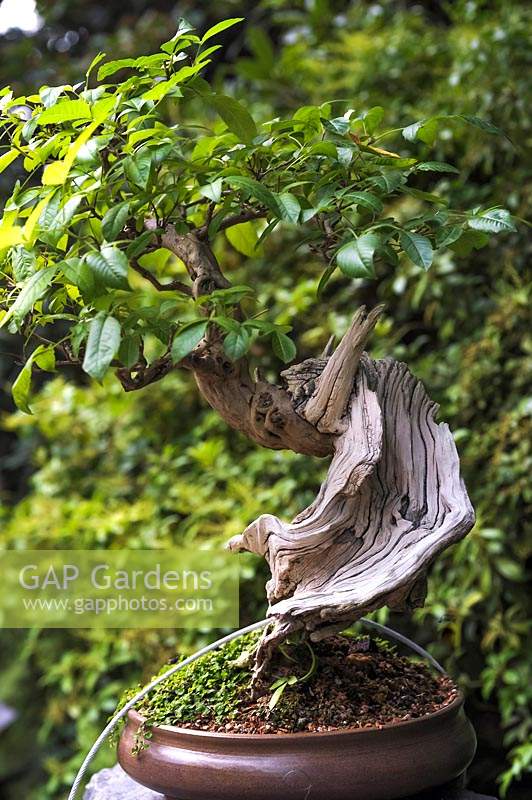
(97, 468)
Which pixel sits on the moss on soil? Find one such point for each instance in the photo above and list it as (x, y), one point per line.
(358, 682)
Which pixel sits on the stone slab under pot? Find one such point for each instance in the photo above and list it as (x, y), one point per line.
(115, 784)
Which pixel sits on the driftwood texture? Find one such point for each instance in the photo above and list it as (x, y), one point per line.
(393, 498)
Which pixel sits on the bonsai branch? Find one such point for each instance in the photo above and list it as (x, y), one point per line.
(198, 258)
(261, 410)
(141, 375)
(171, 286)
(235, 219)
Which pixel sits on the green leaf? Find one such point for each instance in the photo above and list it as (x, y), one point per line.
(221, 26)
(92, 66)
(212, 191)
(277, 694)
(110, 266)
(283, 347)
(46, 227)
(33, 290)
(436, 166)
(23, 263)
(44, 357)
(258, 191)
(230, 296)
(373, 118)
(113, 66)
(65, 111)
(8, 159)
(325, 278)
(309, 119)
(365, 199)
(102, 345)
(163, 89)
(495, 220)
(56, 172)
(244, 238)
(205, 54)
(389, 181)
(21, 388)
(511, 570)
(78, 273)
(139, 245)
(51, 94)
(114, 221)
(236, 117)
(339, 125)
(389, 255)
(345, 155)
(482, 124)
(10, 235)
(446, 236)
(56, 217)
(138, 168)
(417, 247)
(187, 338)
(67, 210)
(428, 197)
(236, 344)
(290, 207)
(355, 258)
(469, 240)
(129, 351)
(425, 130)
(265, 328)
(227, 324)
(278, 688)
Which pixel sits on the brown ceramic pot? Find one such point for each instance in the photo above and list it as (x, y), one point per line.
(394, 761)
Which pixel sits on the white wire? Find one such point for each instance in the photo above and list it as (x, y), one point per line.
(111, 725)
(404, 640)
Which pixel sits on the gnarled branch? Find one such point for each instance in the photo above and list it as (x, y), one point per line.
(327, 406)
(393, 499)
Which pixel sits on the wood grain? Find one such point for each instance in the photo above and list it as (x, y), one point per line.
(392, 500)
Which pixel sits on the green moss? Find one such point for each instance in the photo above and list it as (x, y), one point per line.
(213, 689)
(209, 689)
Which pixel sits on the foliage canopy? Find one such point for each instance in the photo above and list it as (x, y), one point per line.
(123, 162)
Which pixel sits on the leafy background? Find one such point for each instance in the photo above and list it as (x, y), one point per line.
(95, 467)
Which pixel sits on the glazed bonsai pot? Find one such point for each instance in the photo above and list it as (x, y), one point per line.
(392, 761)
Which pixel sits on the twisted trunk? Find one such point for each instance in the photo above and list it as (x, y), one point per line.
(392, 500)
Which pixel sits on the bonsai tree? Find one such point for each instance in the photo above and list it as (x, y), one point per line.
(128, 189)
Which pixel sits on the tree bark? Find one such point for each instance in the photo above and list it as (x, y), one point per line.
(393, 499)
(261, 410)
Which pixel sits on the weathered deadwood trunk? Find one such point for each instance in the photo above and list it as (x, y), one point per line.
(392, 500)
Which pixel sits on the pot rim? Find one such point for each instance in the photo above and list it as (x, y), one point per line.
(453, 707)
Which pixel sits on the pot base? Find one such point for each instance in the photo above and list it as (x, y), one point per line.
(395, 761)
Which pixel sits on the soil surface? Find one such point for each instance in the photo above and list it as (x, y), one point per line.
(357, 684)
